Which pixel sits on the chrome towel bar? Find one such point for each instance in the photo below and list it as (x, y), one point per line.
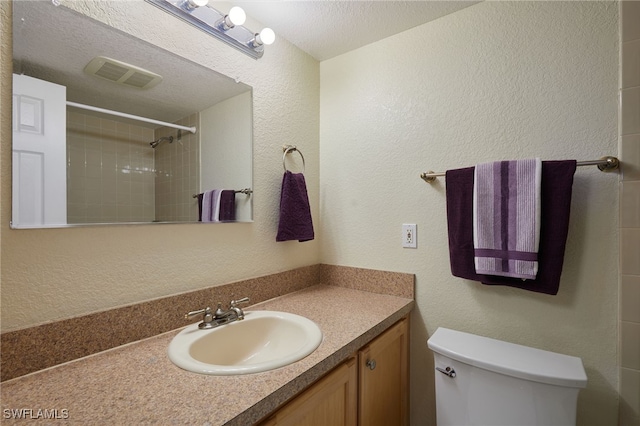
(605, 164)
(237, 191)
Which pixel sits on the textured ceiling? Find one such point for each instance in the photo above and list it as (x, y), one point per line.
(328, 28)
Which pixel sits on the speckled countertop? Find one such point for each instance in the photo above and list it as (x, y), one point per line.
(137, 383)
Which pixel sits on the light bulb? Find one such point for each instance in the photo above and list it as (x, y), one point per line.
(266, 36)
(237, 16)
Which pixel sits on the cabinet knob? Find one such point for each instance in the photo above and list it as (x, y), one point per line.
(371, 364)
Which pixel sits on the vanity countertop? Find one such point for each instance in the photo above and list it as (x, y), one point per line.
(138, 384)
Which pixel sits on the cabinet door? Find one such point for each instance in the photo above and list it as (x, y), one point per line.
(330, 401)
(383, 371)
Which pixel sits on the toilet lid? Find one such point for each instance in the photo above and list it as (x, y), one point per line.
(508, 358)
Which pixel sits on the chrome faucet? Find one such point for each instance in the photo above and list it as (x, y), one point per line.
(219, 317)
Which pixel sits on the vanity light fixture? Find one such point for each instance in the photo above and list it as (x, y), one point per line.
(227, 28)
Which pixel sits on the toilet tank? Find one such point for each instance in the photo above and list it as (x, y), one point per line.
(483, 381)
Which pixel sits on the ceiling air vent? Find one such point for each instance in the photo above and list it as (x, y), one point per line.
(122, 73)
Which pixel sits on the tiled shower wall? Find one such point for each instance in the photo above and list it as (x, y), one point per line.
(115, 176)
(178, 173)
(110, 172)
(630, 216)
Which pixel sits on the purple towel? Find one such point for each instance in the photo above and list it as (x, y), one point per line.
(295, 213)
(200, 197)
(506, 216)
(227, 205)
(556, 188)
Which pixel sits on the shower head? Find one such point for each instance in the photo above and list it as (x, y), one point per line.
(160, 140)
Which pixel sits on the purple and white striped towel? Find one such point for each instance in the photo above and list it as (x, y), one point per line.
(206, 206)
(506, 218)
(211, 206)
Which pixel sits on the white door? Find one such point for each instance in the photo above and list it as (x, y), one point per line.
(39, 153)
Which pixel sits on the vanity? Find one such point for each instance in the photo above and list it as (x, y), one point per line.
(369, 388)
(137, 383)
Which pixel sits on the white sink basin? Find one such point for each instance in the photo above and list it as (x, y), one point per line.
(262, 341)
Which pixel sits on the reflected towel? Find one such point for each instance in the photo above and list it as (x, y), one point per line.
(215, 205)
(295, 213)
(556, 189)
(200, 198)
(207, 196)
(506, 218)
(211, 206)
(227, 205)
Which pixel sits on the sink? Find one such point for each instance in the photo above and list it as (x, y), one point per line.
(262, 341)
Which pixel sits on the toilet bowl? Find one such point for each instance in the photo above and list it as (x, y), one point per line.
(483, 381)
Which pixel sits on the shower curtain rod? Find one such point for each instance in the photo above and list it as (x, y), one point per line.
(605, 164)
(131, 116)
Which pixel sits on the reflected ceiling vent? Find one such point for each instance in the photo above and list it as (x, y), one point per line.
(122, 73)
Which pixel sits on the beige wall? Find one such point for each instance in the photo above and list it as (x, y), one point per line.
(51, 274)
(498, 80)
(630, 216)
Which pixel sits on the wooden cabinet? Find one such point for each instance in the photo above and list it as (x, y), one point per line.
(332, 400)
(384, 379)
(370, 388)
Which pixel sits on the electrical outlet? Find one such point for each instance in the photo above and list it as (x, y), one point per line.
(409, 235)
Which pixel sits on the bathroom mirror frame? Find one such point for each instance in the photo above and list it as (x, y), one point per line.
(31, 56)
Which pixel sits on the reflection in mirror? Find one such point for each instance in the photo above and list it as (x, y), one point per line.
(102, 128)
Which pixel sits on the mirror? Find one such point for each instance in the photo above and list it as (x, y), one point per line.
(75, 164)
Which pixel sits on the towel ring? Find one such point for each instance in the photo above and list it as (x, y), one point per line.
(290, 148)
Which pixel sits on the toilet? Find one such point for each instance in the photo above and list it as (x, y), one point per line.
(483, 381)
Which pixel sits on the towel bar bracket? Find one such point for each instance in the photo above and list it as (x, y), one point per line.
(429, 176)
(610, 163)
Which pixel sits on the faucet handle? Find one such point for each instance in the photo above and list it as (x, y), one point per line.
(207, 317)
(205, 311)
(234, 307)
(234, 303)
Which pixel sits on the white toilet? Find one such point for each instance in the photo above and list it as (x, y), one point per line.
(482, 381)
